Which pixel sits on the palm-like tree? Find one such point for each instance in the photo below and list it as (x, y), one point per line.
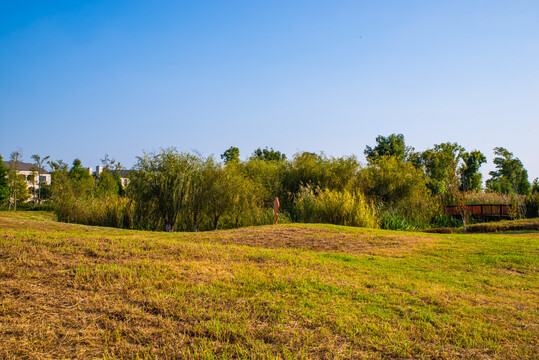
(39, 163)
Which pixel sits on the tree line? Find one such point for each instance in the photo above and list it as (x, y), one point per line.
(398, 188)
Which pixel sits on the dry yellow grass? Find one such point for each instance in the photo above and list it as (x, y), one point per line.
(288, 291)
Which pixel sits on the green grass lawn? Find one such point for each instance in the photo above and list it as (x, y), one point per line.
(286, 291)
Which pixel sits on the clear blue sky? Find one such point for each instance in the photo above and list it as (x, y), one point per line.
(81, 79)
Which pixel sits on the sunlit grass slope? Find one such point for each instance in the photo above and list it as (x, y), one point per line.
(286, 291)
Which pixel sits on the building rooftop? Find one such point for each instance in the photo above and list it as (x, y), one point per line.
(123, 173)
(22, 166)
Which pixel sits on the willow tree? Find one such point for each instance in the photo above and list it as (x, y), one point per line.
(199, 188)
(159, 188)
(246, 195)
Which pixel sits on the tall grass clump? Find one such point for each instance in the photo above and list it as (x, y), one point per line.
(532, 205)
(490, 198)
(334, 207)
(78, 198)
(113, 211)
(400, 193)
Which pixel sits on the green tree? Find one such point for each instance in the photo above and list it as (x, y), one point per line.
(389, 180)
(72, 192)
(4, 186)
(510, 176)
(119, 185)
(535, 186)
(20, 190)
(231, 154)
(159, 188)
(81, 182)
(316, 171)
(392, 145)
(440, 165)
(399, 189)
(46, 191)
(78, 172)
(107, 184)
(38, 161)
(57, 167)
(268, 175)
(268, 154)
(305, 169)
(199, 187)
(59, 176)
(32, 179)
(14, 180)
(470, 175)
(245, 194)
(220, 193)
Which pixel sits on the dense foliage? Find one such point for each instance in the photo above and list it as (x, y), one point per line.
(397, 189)
(510, 176)
(4, 186)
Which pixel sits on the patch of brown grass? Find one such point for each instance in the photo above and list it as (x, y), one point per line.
(324, 239)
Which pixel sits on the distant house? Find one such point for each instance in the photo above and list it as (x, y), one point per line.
(33, 176)
(123, 174)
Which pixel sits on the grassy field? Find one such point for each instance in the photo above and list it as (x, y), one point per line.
(286, 291)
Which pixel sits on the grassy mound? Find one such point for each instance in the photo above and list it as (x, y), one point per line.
(286, 291)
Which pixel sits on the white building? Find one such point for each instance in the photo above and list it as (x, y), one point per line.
(33, 176)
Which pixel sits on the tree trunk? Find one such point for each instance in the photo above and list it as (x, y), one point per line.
(11, 194)
(39, 184)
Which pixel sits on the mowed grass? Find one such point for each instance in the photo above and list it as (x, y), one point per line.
(286, 291)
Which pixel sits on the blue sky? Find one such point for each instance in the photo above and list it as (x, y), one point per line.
(82, 79)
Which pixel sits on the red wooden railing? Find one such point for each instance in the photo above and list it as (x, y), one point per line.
(480, 210)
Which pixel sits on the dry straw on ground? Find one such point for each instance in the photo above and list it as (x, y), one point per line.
(288, 291)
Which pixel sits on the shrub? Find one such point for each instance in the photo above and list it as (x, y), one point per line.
(446, 221)
(399, 189)
(532, 205)
(395, 222)
(334, 207)
(490, 198)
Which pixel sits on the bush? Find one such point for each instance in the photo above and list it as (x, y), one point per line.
(489, 198)
(334, 207)
(399, 190)
(446, 221)
(114, 211)
(532, 205)
(395, 222)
